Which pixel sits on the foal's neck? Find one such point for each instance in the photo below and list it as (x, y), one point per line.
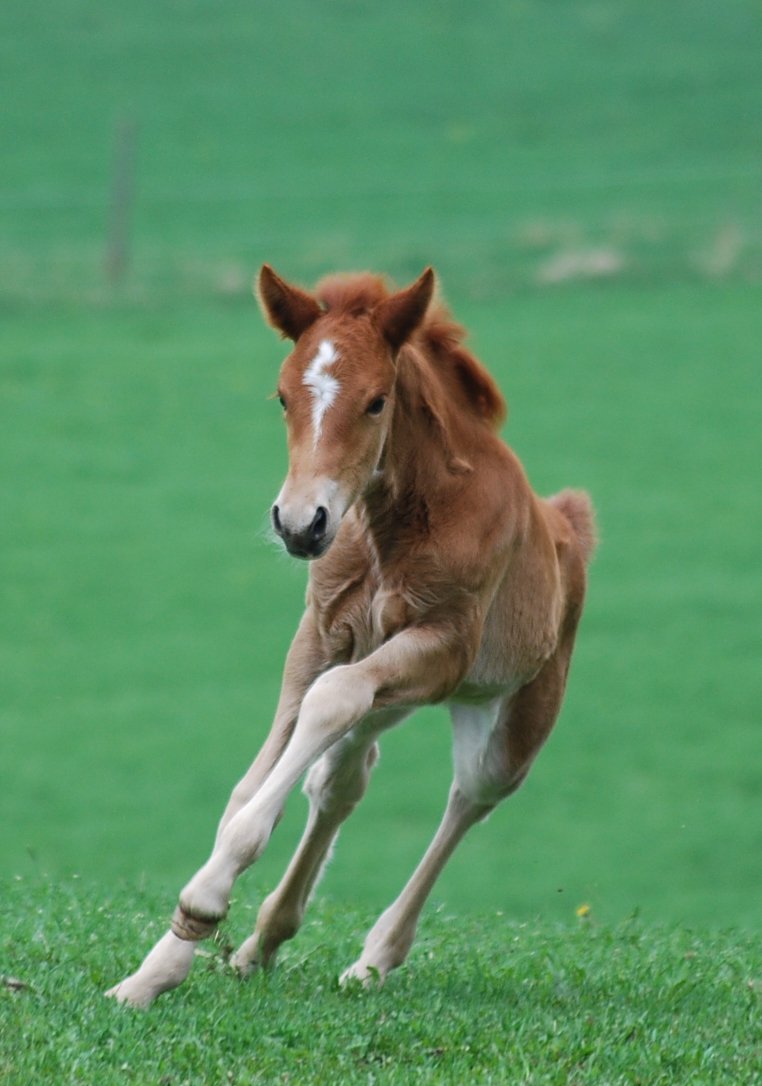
(420, 461)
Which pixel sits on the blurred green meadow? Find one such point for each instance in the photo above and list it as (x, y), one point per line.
(587, 180)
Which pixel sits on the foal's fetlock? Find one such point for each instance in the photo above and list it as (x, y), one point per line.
(260, 950)
(254, 954)
(206, 897)
(192, 928)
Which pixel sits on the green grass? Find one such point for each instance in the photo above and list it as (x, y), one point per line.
(145, 619)
(482, 1000)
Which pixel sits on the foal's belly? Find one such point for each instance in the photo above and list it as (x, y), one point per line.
(502, 666)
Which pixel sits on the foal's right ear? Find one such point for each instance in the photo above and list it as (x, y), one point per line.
(400, 314)
(286, 308)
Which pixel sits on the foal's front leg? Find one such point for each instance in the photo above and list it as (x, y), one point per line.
(332, 705)
(169, 962)
(334, 786)
(304, 662)
(415, 666)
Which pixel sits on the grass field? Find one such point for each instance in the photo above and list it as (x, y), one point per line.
(482, 1001)
(586, 175)
(504, 140)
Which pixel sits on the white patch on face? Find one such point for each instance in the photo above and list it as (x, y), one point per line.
(322, 385)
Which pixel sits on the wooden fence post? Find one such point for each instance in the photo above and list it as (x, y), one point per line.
(122, 193)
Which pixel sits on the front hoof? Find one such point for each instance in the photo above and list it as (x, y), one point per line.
(368, 975)
(131, 992)
(252, 955)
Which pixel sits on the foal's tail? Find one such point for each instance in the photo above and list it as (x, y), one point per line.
(577, 507)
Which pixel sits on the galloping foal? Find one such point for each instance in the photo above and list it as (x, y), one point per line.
(437, 575)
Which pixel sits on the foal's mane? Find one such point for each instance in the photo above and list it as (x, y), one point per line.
(439, 338)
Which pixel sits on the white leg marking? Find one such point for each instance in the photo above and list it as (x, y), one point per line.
(323, 386)
(479, 753)
(335, 702)
(166, 966)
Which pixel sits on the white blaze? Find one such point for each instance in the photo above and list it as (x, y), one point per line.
(323, 386)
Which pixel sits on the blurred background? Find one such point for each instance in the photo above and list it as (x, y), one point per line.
(586, 177)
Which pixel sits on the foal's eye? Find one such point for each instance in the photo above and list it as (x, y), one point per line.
(375, 407)
(282, 402)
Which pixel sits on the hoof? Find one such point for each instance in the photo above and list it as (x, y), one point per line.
(368, 975)
(243, 965)
(131, 993)
(251, 955)
(167, 965)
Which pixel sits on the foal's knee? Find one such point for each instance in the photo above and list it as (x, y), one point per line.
(487, 784)
(338, 699)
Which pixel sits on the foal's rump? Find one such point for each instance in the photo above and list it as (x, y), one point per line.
(571, 520)
(577, 507)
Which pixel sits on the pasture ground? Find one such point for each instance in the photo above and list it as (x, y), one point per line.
(482, 1000)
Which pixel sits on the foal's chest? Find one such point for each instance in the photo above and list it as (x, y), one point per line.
(365, 618)
(358, 605)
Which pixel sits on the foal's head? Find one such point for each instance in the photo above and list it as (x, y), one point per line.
(337, 392)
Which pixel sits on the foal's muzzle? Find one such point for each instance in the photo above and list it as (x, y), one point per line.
(308, 542)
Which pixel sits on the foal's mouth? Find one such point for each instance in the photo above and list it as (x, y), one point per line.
(310, 541)
(307, 553)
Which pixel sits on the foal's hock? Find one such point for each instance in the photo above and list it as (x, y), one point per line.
(437, 575)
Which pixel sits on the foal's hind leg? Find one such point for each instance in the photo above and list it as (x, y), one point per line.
(391, 937)
(411, 667)
(334, 786)
(494, 747)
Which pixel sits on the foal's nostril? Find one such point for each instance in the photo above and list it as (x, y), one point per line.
(319, 524)
(276, 520)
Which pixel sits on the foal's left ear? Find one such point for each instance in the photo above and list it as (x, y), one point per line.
(401, 313)
(286, 308)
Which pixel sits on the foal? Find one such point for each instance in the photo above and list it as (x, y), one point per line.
(437, 575)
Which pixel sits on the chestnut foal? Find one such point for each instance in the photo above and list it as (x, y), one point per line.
(437, 575)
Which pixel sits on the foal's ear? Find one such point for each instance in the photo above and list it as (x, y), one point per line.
(400, 314)
(286, 308)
